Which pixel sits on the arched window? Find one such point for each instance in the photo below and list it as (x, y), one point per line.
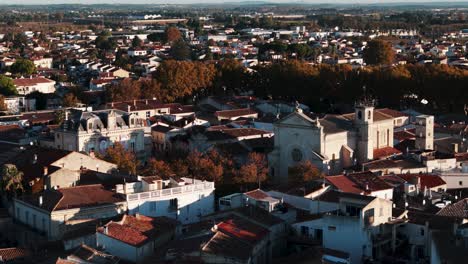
(369, 115)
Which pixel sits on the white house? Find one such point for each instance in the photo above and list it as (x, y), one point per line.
(183, 199)
(56, 212)
(28, 85)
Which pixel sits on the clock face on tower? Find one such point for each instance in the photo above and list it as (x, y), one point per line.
(296, 155)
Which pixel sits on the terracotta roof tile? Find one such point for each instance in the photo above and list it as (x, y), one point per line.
(31, 81)
(427, 180)
(385, 152)
(14, 254)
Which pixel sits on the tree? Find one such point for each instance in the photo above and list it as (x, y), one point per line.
(202, 167)
(7, 86)
(180, 50)
(70, 100)
(12, 179)
(183, 78)
(378, 52)
(303, 172)
(157, 168)
(172, 34)
(150, 89)
(59, 116)
(137, 42)
(254, 171)
(154, 37)
(23, 67)
(124, 90)
(301, 50)
(125, 160)
(3, 106)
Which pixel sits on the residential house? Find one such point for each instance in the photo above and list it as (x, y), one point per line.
(135, 238)
(26, 86)
(183, 199)
(54, 213)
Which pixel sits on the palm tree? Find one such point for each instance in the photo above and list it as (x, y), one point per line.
(11, 179)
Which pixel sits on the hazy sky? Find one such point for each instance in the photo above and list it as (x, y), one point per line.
(45, 2)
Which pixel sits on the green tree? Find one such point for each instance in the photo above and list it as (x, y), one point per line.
(137, 42)
(180, 50)
(378, 52)
(23, 67)
(12, 180)
(7, 87)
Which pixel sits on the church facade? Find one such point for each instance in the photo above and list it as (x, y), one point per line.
(331, 143)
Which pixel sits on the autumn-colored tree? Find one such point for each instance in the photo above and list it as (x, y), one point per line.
(172, 34)
(254, 171)
(180, 167)
(203, 168)
(303, 172)
(3, 106)
(157, 168)
(183, 78)
(70, 100)
(151, 89)
(125, 160)
(125, 90)
(11, 180)
(378, 52)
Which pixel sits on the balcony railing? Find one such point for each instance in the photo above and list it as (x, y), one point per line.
(171, 191)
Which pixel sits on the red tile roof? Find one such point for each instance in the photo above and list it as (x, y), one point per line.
(359, 182)
(257, 194)
(427, 180)
(243, 229)
(385, 152)
(137, 230)
(402, 135)
(344, 184)
(391, 112)
(458, 209)
(31, 81)
(12, 254)
(74, 197)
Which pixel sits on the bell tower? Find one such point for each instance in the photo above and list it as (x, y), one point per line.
(363, 120)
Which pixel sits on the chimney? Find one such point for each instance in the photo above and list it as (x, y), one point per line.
(112, 104)
(45, 171)
(40, 200)
(455, 147)
(106, 230)
(35, 159)
(134, 102)
(146, 101)
(128, 108)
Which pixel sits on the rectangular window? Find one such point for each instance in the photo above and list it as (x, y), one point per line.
(148, 114)
(460, 183)
(422, 232)
(173, 204)
(332, 228)
(305, 230)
